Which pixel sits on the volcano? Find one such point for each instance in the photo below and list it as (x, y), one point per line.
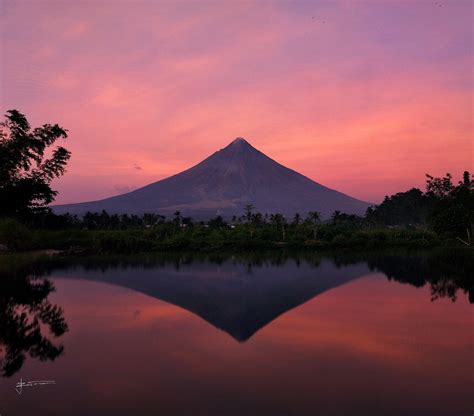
(223, 184)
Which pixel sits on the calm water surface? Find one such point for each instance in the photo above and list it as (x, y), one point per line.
(379, 334)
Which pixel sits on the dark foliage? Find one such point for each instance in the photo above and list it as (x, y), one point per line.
(446, 208)
(403, 208)
(452, 213)
(25, 172)
(27, 319)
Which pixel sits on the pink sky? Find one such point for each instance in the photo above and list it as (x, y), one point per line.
(366, 97)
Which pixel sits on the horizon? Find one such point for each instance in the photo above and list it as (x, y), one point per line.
(364, 98)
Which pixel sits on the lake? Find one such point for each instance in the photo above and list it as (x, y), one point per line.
(387, 333)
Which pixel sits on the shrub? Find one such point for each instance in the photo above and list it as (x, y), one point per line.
(14, 234)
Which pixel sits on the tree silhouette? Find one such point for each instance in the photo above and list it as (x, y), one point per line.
(27, 320)
(297, 219)
(445, 271)
(466, 178)
(452, 213)
(315, 218)
(248, 212)
(25, 172)
(178, 218)
(402, 208)
(279, 221)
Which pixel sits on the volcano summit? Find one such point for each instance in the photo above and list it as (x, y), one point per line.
(223, 184)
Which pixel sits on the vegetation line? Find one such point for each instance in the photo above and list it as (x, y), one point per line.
(442, 214)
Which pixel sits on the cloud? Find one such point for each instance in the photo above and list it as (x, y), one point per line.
(366, 103)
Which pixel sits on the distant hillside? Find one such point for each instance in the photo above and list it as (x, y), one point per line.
(223, 184)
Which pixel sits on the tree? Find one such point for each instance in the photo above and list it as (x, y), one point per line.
(297, 219)
(403, 208)
(257, 219)
(315, 218)
(341, 218)
(217, 222)
(279, 221)
(178, 218)
(25, 172)
(453, 207)
(439, 187)
(248, 212)
(466, 178)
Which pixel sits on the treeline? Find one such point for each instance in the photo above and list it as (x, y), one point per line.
(445, 208)
(105, 221)
(444, 211)
(214, 235)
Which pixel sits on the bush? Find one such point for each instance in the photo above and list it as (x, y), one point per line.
(121, 242)
(14, 234)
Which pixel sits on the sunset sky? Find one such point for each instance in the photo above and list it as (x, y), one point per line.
(362, 96)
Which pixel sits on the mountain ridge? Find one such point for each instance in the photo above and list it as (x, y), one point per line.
(222, 184)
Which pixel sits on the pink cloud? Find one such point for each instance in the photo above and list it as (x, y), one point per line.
(367, 102)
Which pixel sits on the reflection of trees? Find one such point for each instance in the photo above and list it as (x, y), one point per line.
(255, 259)
(445, 288)
(445, 271)
(27, 319)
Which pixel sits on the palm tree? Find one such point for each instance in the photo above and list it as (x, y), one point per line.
(315, 218)
(279, 220)
(177, 218)
(257, 219)
(248, 212)
(297, 219)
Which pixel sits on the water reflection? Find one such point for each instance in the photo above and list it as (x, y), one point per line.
(236, 294)
(445, 271)
(28, 320)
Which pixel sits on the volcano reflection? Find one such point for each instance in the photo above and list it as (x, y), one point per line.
(238, 295)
